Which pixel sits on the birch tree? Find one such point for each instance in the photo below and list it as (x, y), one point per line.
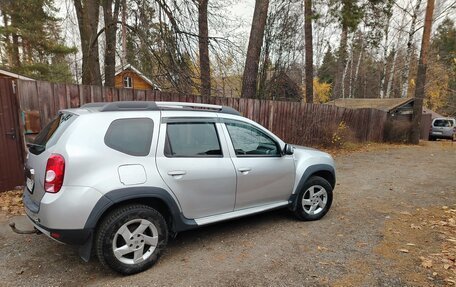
(408, 56)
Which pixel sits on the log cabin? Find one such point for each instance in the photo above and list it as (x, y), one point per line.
(128, 77)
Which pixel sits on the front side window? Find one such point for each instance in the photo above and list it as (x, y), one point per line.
(250, 141)
(192, 140)
(130, 136)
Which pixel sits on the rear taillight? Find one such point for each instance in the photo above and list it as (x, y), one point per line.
(55, 171)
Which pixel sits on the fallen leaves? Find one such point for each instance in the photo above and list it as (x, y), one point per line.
(321, 248)
(11, 202)
(425, 238)
(444, 261)
(414, 226)
(426, 262)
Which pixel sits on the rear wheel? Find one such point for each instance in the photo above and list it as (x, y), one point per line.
(131, 238)
(314, 199)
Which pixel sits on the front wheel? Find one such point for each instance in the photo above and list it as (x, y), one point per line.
(131, 238)
(314, 199)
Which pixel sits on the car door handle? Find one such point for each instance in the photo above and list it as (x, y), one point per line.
(177, 172)
(244, 170)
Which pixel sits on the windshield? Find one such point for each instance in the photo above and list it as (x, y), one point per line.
(443, 123)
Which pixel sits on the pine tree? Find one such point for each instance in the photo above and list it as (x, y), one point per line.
(327, 69)
(32, 41)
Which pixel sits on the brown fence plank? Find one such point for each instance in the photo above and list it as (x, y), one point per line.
(294, 122)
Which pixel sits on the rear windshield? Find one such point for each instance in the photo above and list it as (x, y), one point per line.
(443, 123)
(50, 134)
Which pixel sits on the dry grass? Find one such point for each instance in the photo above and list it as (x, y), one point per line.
(351, 147)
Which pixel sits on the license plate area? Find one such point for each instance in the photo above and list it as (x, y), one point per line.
(30, 180)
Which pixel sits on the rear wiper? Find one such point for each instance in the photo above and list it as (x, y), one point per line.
(36, 145)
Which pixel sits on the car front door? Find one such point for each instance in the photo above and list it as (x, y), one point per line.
(264, 175)
(193, 160)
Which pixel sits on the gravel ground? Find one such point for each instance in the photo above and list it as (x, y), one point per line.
(380, 195)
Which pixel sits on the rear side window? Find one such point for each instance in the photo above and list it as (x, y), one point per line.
(443, 123)
(130, 136)
(192, 140)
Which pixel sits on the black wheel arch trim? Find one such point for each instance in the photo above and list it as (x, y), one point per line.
(307, 174)
(179, 222)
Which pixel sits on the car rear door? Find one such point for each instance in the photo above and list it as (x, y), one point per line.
(264, 175)
(193, 160)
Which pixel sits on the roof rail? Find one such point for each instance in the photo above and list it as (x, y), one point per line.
(156, 106)
(198, 106)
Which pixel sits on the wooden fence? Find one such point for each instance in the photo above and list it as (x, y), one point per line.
(294, 122)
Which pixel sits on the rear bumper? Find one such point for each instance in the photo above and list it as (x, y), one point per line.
(441, 135)
(68, 209)
(67, 236)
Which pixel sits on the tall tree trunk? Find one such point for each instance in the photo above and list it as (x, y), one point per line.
(124, 33)
(249, 81)
(421, 76)
(205, 68)
(341, 62)
(349, 63)
(309, 49)
(15, 56)
(393, 68)
(263, 74)
(87, 12)
(15, 51)
(391, 75)
(408, 56)
(385, 60)
(350, 82)
(110, 20)
(358, 64)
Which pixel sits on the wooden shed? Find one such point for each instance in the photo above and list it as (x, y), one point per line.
(400, 107)
(131, 78)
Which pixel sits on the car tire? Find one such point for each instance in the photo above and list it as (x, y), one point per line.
(131, 238)
(314, 199)
(431, 138)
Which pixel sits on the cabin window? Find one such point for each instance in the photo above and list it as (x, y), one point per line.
(127, 82)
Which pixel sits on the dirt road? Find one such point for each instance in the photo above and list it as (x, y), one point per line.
(390, 225)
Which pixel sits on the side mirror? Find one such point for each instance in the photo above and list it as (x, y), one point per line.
(288, 149)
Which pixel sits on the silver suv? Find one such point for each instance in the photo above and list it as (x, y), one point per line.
(120, 178)
(443, 128)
